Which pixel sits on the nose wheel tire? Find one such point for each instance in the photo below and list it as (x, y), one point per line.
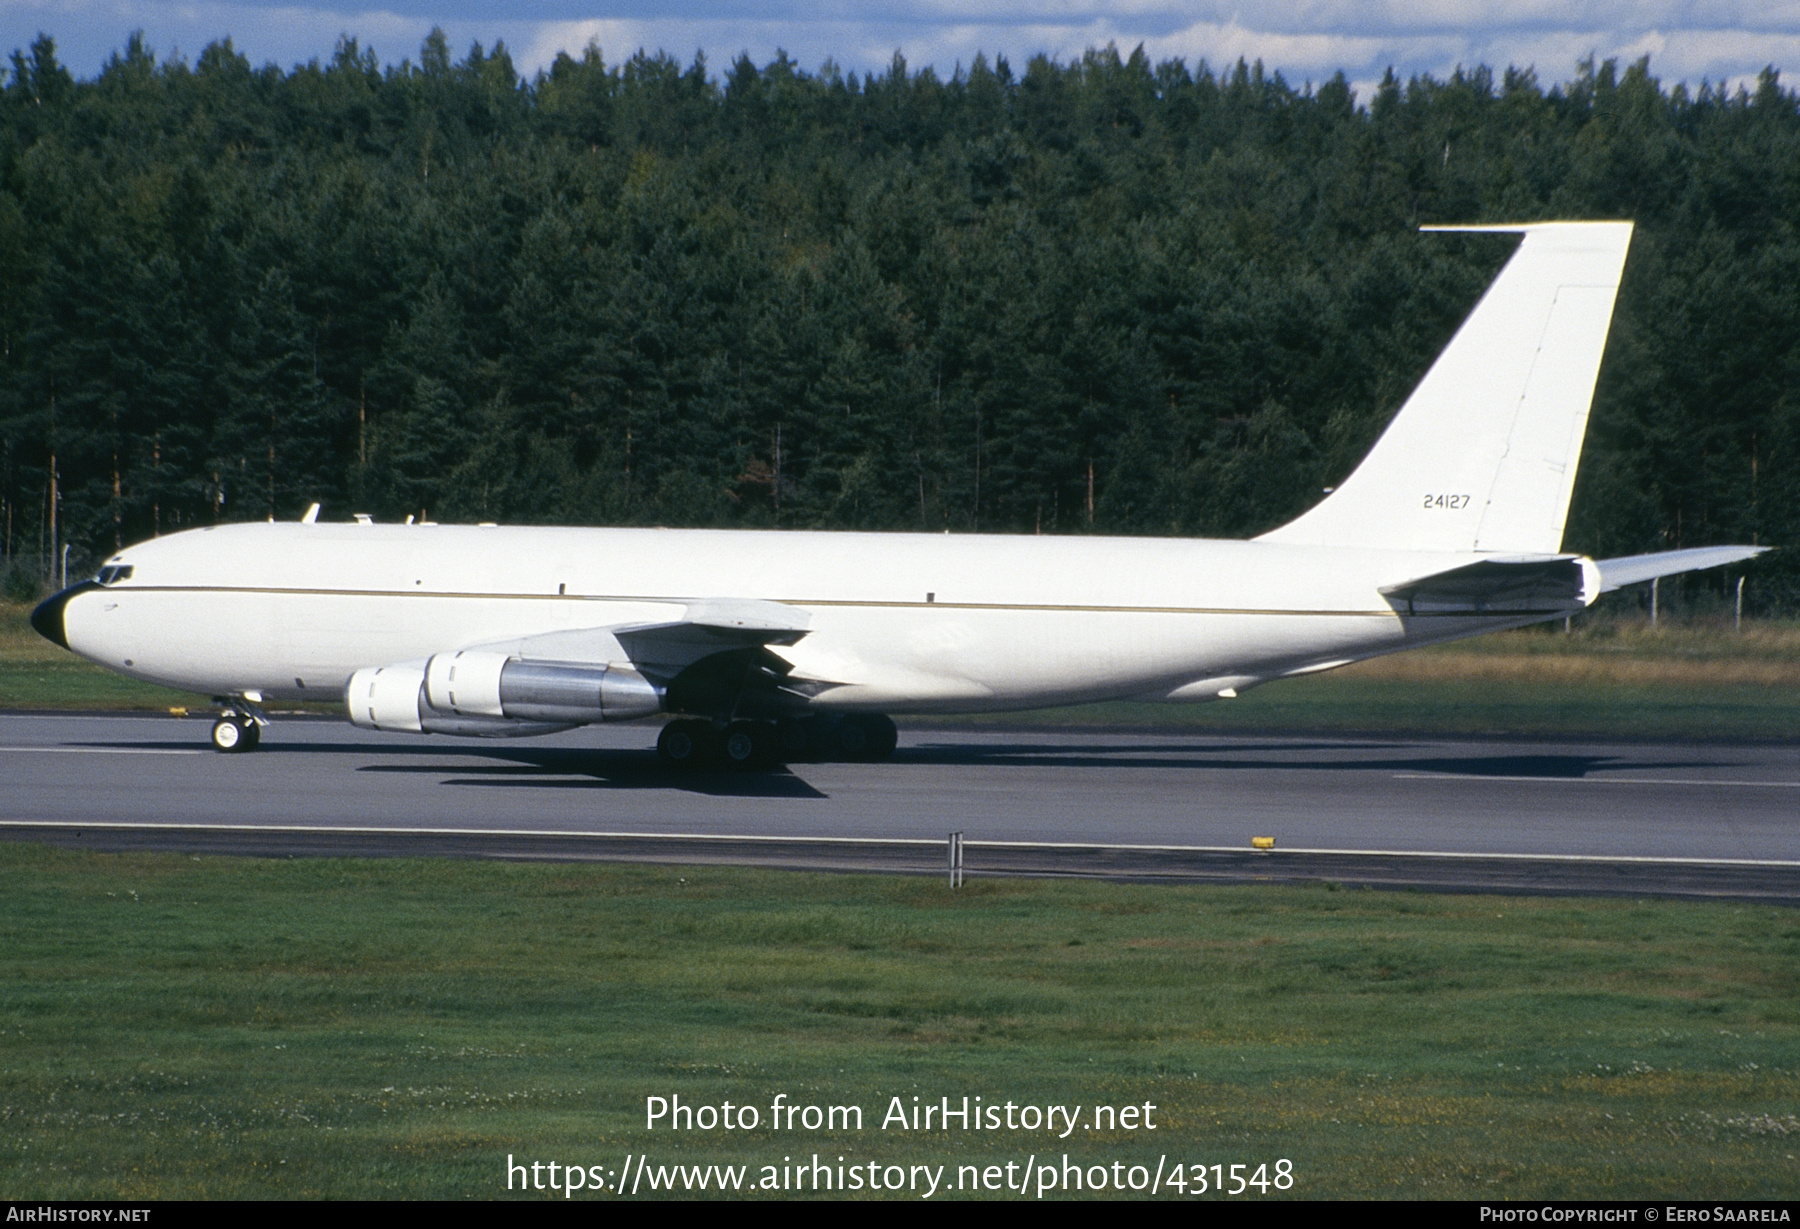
(235, 734)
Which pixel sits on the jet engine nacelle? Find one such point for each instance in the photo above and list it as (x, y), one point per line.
(575, 691)
(478, 683)
(393, 698)
(387, 698)
(466, 683)
(494, 695)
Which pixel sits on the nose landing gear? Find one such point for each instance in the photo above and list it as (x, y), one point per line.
(239, 726)
(235, 734)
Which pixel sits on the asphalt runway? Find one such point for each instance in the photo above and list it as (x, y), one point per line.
(1665, 819)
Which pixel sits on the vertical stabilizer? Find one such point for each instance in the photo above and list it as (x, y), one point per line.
(1482, 456)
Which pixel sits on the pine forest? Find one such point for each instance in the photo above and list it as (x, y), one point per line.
(1102, 296)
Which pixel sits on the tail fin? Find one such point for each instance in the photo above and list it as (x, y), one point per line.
(1482, 456)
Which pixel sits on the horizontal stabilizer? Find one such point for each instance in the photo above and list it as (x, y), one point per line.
(1547, 584)
(1543, 585)
(1634, 569)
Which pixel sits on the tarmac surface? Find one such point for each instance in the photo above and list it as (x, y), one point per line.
(1698, 820)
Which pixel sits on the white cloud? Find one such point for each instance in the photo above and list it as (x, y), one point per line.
(1300, 56)
(1687, 40)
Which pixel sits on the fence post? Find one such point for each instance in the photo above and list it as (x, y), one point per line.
(956, 859)
(1654, 584)
(1737, 617)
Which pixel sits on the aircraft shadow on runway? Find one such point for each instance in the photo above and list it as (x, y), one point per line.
(575, 768)
(1139, 755)
(517, 766)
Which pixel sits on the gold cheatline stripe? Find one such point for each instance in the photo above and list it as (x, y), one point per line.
(832, 602)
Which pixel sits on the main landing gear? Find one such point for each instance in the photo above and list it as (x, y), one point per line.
(695, 743)
(239, 726)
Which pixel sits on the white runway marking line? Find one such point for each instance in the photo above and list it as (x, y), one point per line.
(106, 750)
(1471, 776)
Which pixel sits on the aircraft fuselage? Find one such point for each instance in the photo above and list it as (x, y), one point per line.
(896, 622)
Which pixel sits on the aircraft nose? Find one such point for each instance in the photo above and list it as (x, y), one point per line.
(47, 618)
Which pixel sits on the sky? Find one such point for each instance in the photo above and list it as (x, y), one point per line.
(1726, 41)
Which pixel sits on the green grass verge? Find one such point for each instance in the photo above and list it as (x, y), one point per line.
(175, 1027)
(1351, 704)
(1612, 678)
(37, 674)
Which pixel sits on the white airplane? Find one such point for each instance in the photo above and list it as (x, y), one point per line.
(782, 645)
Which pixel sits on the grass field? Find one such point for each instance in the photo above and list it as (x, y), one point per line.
(37, 674)
(176, 1027)
(1610, 679)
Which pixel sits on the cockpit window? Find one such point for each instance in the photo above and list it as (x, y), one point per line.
(113, 573)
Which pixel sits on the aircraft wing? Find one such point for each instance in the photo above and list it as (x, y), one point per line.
(707, 626)
(715, 658)
(1633, 569)
(735, 631)
(717, 649)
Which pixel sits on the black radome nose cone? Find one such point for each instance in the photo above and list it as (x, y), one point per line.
(47, 619)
